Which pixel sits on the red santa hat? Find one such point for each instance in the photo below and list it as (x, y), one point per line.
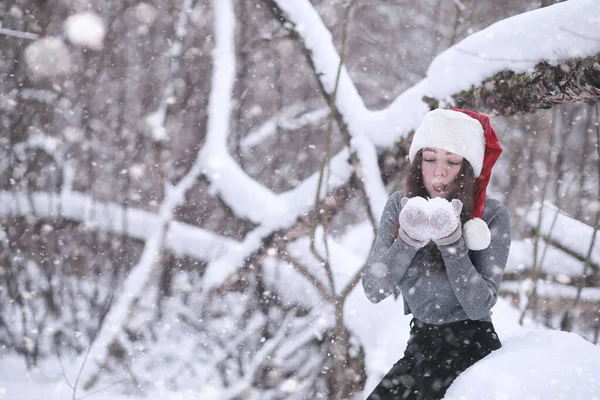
(470, 135)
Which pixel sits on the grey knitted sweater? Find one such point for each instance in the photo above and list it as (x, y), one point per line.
(465, 288)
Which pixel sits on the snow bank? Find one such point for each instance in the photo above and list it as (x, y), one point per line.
(533, 364)
(537, 365)
(383, 330)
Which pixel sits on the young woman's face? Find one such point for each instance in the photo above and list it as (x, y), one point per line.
(440, 168)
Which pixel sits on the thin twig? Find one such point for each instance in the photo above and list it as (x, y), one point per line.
(536, 264)
(308, 275)
(567, 318)
(356, 278)
(100, 390)
(581, 35)
(325, 160)
(18, 34)
(62, 368)
(553, 224)
(482, 56)
(460, 7)
(87, 353)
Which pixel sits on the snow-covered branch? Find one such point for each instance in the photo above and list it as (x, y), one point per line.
(508, 93)
(556, 264)
(553, 289)
(348, 103)
(298, 200)
(245, 196)
(181, 239)
(540, 34)
(223, 254)
(293, 117)
(572, 236)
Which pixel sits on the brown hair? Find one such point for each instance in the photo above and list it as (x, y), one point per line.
(462, 188)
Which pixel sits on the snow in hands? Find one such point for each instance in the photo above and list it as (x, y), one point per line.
(432, 219)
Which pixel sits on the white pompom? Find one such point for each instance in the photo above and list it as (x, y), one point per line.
(477, 234)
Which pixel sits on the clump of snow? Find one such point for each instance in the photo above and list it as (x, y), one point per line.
(73, 134)
(86, 29)
(156, 121)
(43, 96)
(198, 16)
(15, 12)
(47, 58)
(145, 13)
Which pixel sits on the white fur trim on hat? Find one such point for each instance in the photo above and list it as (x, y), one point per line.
(452, 131)
(477, 234)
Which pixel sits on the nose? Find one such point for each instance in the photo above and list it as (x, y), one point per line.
(440, 171)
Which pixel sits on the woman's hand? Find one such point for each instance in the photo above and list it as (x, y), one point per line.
(414, 221)
(444, 220)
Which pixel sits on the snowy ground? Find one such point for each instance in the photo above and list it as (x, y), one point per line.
(534, 363)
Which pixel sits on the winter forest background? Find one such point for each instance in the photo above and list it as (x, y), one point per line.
(161, 227)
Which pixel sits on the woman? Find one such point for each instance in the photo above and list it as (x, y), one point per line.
(444, 248)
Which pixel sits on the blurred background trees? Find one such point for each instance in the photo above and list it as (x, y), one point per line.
(117, 125)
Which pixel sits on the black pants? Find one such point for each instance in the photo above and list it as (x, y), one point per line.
(435, 355)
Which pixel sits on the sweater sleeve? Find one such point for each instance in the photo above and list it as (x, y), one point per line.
(389, 258)
(475, 282)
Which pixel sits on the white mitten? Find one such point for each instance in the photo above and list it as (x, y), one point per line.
(444, 220)
(414, 221)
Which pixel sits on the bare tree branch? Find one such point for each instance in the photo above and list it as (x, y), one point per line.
(20, 35)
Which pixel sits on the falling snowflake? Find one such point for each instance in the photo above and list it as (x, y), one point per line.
(86, 29)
